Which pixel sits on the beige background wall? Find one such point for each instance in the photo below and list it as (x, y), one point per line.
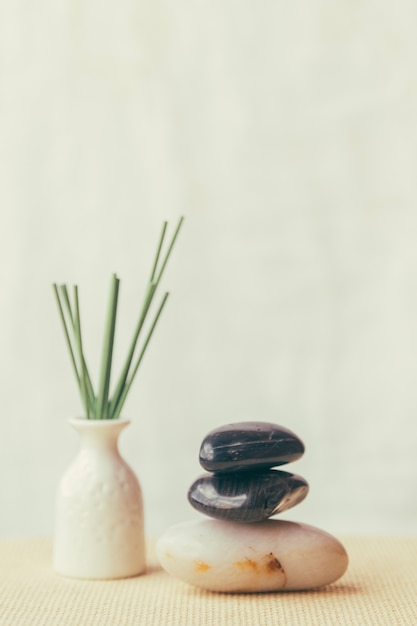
(287, 135)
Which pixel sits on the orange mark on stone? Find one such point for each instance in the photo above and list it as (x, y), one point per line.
(168, 554)
(201, 566)
(272, 565)
(268, 564)
(248, 564)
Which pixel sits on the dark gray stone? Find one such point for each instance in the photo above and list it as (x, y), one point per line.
(247, 496)
(248, 446)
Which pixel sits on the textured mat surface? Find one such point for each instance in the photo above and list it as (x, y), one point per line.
(380, 587)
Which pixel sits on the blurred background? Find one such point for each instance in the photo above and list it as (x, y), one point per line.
(286, 133)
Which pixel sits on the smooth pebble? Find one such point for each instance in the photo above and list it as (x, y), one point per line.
(247, 496)
(248, 446)
(273, 555)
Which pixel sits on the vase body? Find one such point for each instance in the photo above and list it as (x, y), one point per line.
(99, 524)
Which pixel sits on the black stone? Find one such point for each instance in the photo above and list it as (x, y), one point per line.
(248, 446)
(247, 497)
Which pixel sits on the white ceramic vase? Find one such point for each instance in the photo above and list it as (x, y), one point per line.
(99, 525)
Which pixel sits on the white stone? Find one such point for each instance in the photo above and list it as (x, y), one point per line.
(266, 556)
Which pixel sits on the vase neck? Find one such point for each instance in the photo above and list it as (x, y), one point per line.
(99, 434)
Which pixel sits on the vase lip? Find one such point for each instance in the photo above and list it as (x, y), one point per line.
(83, 421)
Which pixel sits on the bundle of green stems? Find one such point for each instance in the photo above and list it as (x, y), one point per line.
(103, 404)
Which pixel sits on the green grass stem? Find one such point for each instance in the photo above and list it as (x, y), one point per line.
(171, 245)
(149, 293)
(90, 390)
(67, 337)
(78, 337)
(106, 360)
(158, 251)
(128, 384)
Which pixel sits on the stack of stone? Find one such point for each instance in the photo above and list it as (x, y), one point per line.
(242, 549)
(243, 487)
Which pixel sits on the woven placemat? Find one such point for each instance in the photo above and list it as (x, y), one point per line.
(380, 587)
